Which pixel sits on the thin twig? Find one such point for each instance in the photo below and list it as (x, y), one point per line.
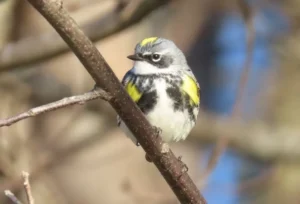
(166, 162)
(27, 187)
(68, 101)
(12, 197)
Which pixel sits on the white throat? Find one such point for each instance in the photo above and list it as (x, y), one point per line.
(141, 67)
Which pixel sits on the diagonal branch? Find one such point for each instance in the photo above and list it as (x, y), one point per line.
(169, 166)
(38, 48)
(79, 99)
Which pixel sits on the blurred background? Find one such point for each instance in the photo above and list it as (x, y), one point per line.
(245, 147)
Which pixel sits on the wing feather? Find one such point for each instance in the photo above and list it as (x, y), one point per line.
(131, 89)
(191, 87)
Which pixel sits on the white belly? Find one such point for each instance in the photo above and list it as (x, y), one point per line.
(175, 125)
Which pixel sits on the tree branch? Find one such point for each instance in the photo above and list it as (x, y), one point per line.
(38, 48)
(79, 99)
(169, 166)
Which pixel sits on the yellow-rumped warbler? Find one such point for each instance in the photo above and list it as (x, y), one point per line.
(164, 87)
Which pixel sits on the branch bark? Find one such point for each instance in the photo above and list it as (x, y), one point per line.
(39, 48)
(170, 167)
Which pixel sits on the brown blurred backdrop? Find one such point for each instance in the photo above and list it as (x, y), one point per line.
(78, 155)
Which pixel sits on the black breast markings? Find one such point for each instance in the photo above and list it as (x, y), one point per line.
(176, 96)
(190, 108)
(181, 101)
(147, 102)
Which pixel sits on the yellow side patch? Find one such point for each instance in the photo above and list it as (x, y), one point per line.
(147, 41)
(190, 87)
(133, 91)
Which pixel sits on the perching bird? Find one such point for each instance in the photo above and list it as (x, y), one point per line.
(164, 88)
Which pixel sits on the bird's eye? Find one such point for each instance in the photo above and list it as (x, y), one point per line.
(155, 57)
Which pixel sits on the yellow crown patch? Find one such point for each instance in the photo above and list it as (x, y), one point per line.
(146, 41)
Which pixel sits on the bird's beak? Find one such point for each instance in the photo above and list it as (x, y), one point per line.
(135, 57)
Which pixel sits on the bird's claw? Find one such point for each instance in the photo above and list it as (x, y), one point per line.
(157, 130)
(184, 168)
(148, 158)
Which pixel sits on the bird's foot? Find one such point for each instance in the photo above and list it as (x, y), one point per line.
(157, 130)
(148, 158)
(137, 144)
(184, 167)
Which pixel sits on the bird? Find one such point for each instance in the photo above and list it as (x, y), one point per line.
(164, 87)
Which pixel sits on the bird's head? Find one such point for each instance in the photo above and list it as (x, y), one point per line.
(157, 55)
